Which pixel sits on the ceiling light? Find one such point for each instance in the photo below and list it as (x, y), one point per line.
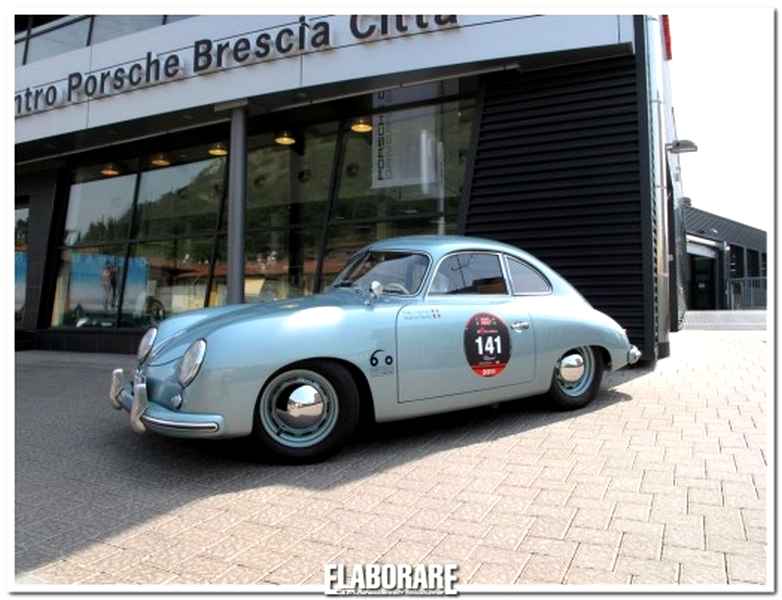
(361, 125)
(159, 160)
(218, 149)
(110, 170)
(284, 138)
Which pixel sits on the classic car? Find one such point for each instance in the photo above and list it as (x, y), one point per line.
(412, 326)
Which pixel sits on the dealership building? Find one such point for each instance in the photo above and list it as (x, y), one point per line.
(726, 262)
(167, 163)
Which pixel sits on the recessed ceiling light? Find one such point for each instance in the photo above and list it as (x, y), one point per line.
(159, 160)
(284, 138)
(218, 149)
(361, 125)
(110, 170)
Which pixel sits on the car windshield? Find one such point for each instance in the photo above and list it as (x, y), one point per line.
(398, 272)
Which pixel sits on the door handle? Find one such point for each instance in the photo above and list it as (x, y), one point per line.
(520, 325)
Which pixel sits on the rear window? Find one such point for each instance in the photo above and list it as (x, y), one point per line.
(526, 280)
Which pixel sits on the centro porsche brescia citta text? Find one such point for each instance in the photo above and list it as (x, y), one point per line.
(207, 55)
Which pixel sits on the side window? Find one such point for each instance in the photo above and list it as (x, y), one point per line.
(469, 274)
(526, 280)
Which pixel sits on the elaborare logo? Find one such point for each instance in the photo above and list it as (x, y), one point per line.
(208, 56)
(374, 578)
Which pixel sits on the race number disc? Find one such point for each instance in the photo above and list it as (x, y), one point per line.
(486, 344)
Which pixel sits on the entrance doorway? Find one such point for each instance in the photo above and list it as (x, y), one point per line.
(703, 283)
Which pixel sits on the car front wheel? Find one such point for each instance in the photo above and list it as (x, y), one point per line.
(577, 377)
(307, 413)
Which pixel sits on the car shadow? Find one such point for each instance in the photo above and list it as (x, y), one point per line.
(99, 481)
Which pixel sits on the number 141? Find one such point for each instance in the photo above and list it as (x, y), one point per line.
(493, 345)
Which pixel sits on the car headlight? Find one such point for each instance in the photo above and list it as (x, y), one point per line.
(146, 343)
(191, 362)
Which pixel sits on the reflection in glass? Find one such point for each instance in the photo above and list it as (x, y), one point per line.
(108, 27)
(164, 279)
(19, 53)
(397, 272)
(21, 220)
(469, 274)
(412, 163)
(526, 280)
(345, 240)
(180, 200)
(99, 210)
(58, 41)
(404, 177)
(278, 265)
(289, 185)
(88, 285)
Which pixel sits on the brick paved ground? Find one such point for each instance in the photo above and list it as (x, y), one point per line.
(662, 480)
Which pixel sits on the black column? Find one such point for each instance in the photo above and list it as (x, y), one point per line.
(40, 189)
(237, 205)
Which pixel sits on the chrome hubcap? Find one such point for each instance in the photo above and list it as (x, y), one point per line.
(299, 408)
(571, 368)
(575, 371)
(303, 409)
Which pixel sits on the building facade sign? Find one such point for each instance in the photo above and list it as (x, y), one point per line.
(210, 55)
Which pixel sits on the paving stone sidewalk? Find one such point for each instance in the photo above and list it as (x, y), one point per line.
(662, 480)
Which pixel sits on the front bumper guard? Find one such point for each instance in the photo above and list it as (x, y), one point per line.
(148, 415)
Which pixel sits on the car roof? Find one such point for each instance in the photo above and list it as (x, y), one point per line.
(439, 245)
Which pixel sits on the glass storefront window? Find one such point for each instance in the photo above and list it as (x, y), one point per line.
(19, 53)
(410, 163)
(99, 210)
(289, 185)
(146, 241)
(108, 27)
(278, 265)
(88, 287)
(181, 200)
(21, 222)
(164, 279)
(345, 240)
(59, 40)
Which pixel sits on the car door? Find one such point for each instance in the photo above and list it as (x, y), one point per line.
(468, 335)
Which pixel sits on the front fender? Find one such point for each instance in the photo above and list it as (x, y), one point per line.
(241, 356)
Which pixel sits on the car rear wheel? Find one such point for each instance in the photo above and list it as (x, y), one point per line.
(577, 377)
(307, 413)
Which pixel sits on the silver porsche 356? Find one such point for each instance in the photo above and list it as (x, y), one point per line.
(412, 326)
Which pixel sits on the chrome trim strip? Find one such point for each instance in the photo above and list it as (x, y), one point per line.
(180, 425)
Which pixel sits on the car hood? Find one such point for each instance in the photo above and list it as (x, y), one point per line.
(177, 333)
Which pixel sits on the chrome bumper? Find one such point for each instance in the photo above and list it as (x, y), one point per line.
(633, 355)
(148, 415)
